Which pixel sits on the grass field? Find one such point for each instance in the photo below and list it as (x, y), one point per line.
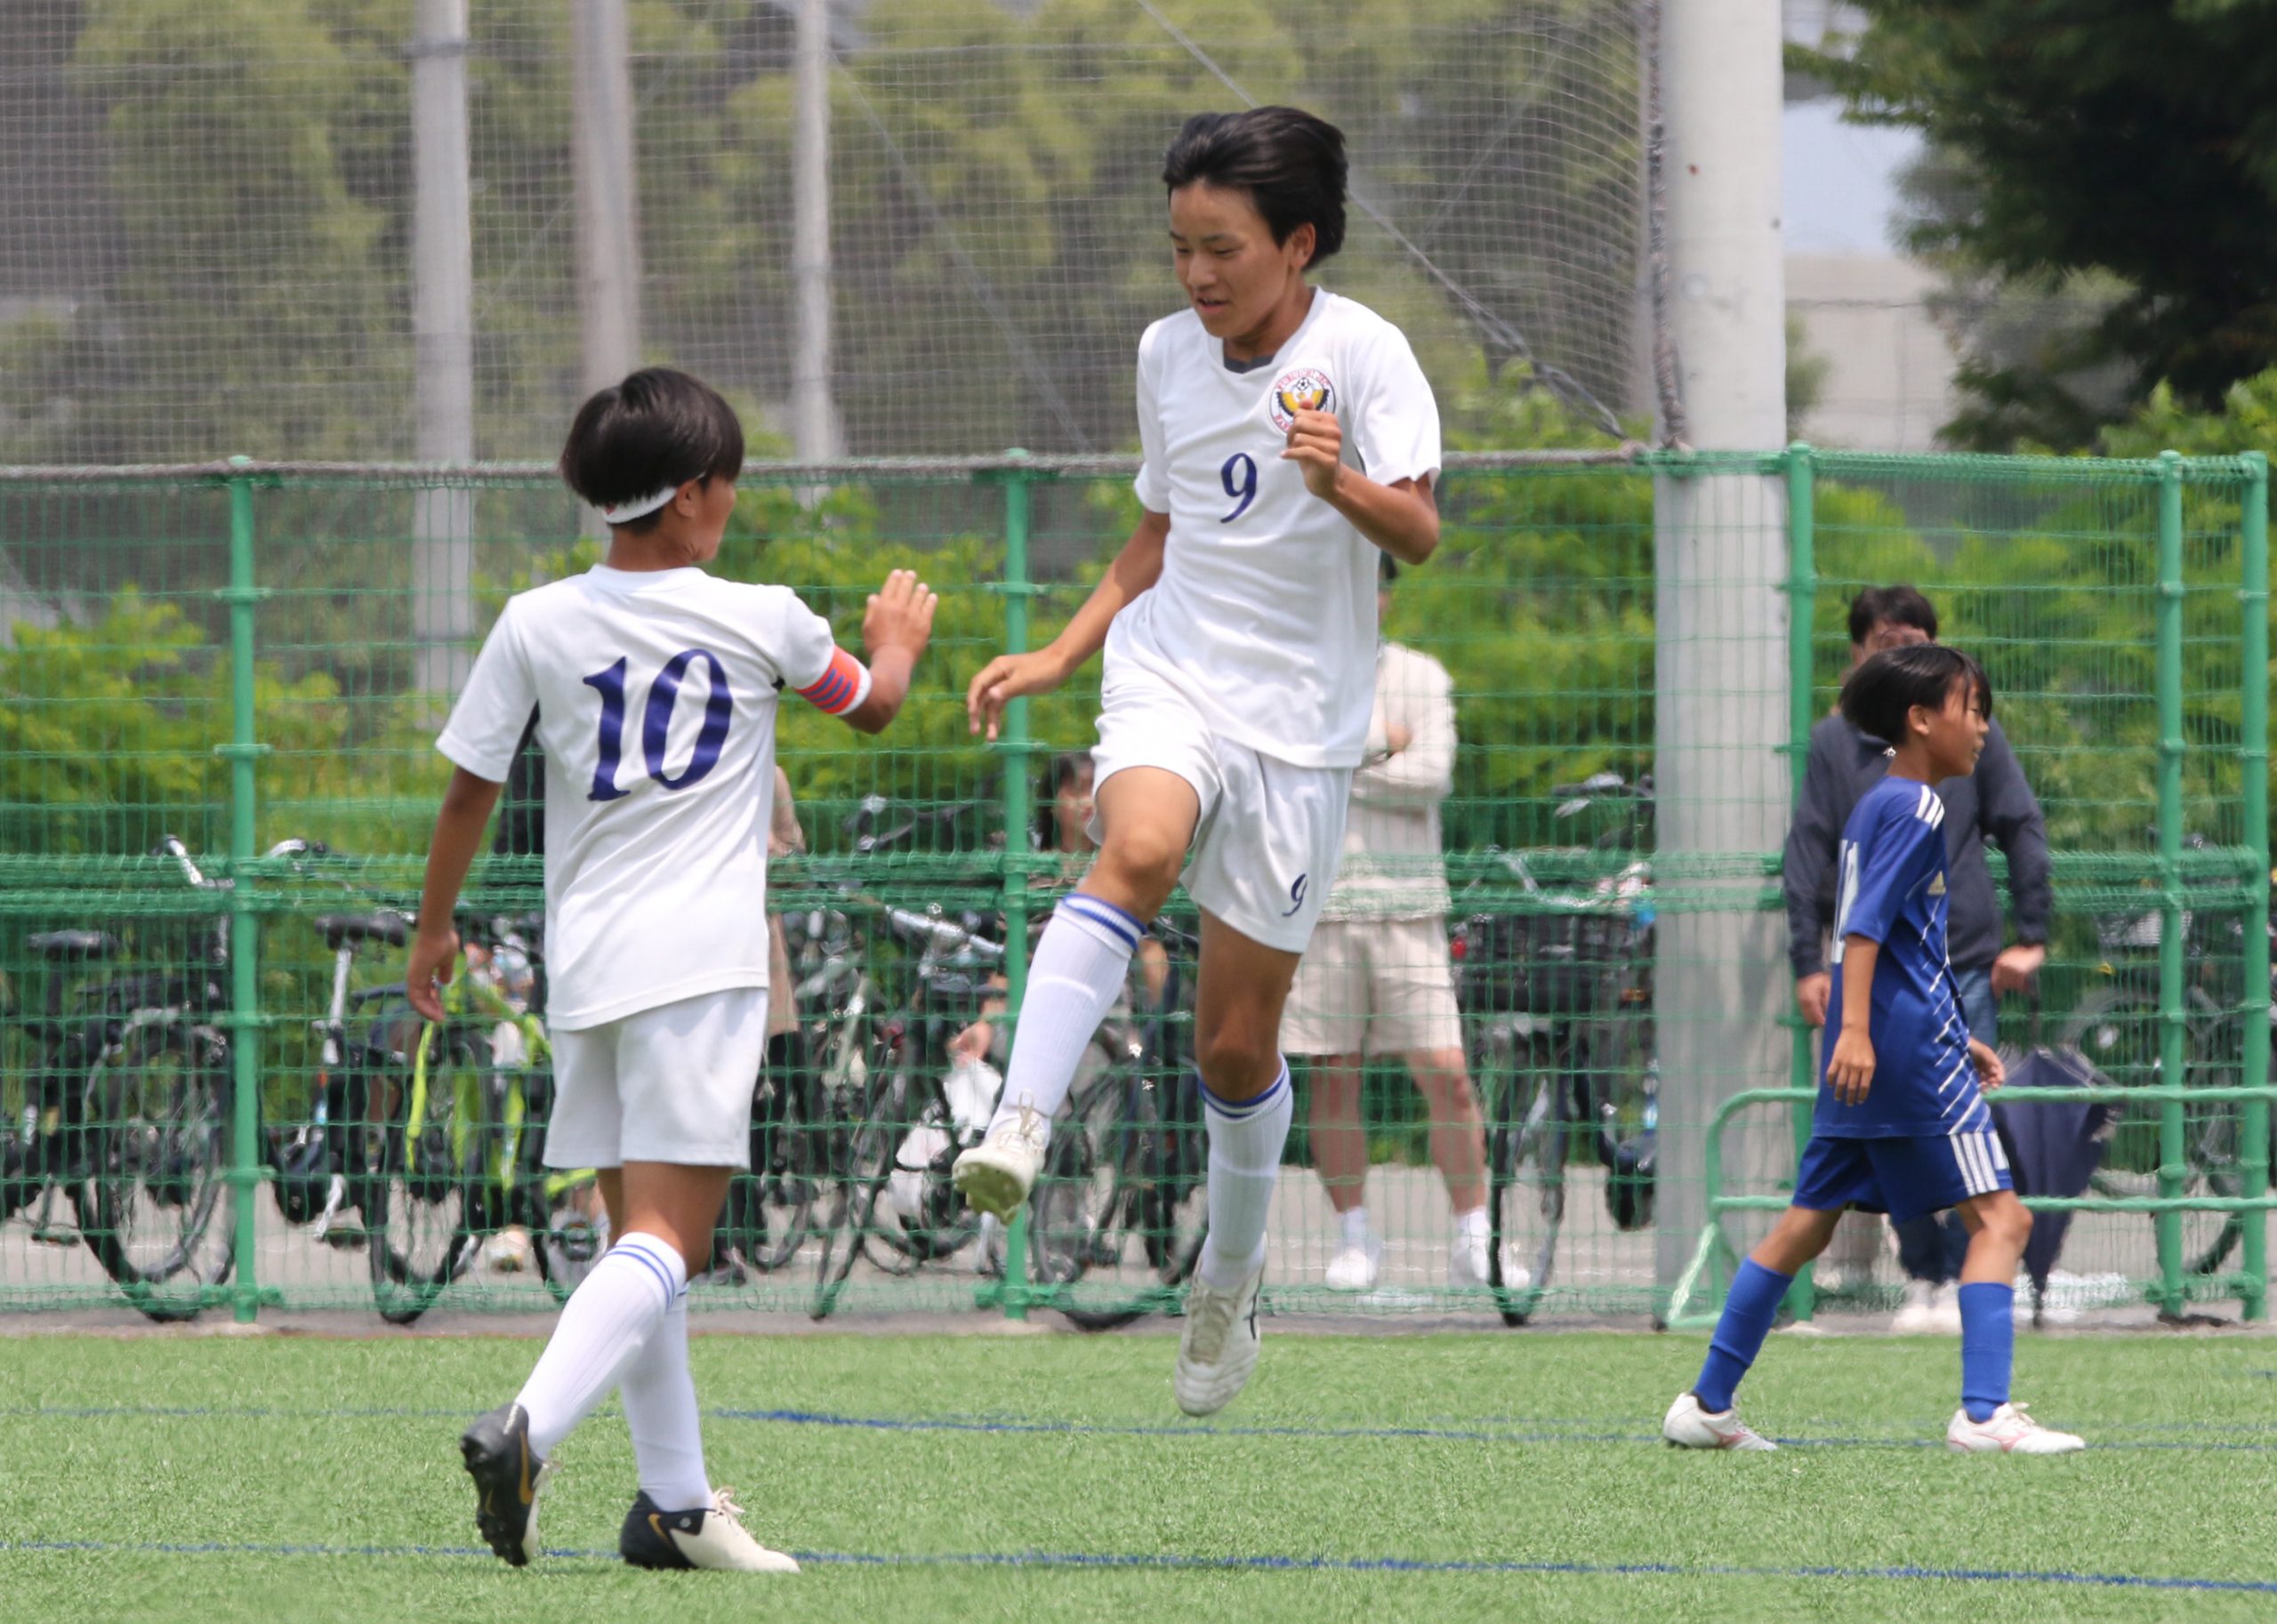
(1436, 1477)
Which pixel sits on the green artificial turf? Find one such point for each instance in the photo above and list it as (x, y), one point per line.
(1438, 1478)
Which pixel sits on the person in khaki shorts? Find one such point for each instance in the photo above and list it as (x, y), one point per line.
(1377, 977)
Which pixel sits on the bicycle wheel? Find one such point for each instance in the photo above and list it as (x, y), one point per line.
(1525, 1171)
(2117, 1029)
(917, 1216)
(868, 1161)
(419, 1140)
(161, 1220)
(1087, 1205)
(770, 1212)
(1161, 1192)
(568, 1227)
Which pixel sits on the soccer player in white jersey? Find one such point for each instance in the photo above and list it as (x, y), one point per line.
(656, 688)
(1289, 436)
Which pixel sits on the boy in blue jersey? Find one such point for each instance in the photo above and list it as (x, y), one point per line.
(1901, 1126)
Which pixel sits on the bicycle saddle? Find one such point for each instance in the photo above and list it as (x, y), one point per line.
(339, 928)
(74, 945)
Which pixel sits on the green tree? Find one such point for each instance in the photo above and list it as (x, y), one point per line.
(2128, 139)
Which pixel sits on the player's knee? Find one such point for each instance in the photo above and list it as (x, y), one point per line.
(1237, 1066)
(1145, 863)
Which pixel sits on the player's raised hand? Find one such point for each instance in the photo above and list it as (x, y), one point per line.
(1990, 1073)
(1316, 446)
(1850, 1070)
(900, 615)
(1004, 678)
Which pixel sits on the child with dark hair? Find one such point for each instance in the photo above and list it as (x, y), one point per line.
(1901, 1125)
(654, 686)
(1290, 439)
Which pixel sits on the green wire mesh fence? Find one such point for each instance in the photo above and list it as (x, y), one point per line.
(219, 685)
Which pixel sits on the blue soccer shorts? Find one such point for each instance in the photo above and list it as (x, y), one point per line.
(1903, 1177)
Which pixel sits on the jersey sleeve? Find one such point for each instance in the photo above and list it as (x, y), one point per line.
(1153, 481)
(1878, 873)
(1395, 420)
(484, 730)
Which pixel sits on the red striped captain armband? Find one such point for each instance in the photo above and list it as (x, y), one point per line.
(841, 688)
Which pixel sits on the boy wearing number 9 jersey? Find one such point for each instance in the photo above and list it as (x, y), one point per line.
(655, 686)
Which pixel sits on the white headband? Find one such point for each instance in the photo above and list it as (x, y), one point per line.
(640, 507)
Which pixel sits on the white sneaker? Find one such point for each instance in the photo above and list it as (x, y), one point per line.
(1218, 1349)
(1467, 1265)
(1918, 1317)
(1354, 1267)
(1944, 1308)
(508, 1251)
(1687, 1426)
(2009, 1432)
(711, 1536)
(995, 1176)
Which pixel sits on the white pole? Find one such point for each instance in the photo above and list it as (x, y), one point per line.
(1721, 982)
(609, 241)
(815, 433)
(442, 322)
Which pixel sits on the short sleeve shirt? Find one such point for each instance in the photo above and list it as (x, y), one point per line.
(1265, 614)
(1890, 887)
(655, 695)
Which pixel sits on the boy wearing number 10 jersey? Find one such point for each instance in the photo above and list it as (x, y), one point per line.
(654, 686)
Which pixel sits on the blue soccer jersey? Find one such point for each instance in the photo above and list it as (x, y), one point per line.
(1890, 889)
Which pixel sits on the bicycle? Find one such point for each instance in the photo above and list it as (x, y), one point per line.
(1560, 993)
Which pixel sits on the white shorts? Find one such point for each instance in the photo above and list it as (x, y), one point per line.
(1377, 986)
(673, 1084)
(1265, 849)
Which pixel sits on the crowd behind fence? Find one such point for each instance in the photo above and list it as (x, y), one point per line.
(220, 684)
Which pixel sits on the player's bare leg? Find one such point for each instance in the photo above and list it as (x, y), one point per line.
(1246, 1108)
(1704, 1415)
(1147, 816)
(1338, 1140)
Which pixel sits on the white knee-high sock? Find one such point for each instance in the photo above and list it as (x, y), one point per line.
(605, 1324)
(1245, 1144)
(659, 1395)
(1078, 971)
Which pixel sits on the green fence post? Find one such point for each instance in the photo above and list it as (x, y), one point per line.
(2253, 755)
(1802, 602)
(1014, 745)
(2172, 1033)
(244, 924)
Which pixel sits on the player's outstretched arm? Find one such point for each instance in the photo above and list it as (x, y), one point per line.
(458, 836)
(896, 627)
(1009, 676)
(1402, 517)
(1850, 1069)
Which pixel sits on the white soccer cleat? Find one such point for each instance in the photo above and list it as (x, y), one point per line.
(1687, 1426)
(1354, 1266)
(711, 1536)
(1218, 1349)
(2009, 1432)
(1467, 1265)
(995, 1176)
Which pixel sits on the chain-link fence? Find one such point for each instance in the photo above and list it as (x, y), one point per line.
(211, 1092)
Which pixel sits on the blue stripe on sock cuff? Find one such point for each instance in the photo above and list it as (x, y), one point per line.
(640, 1254)
(1238, 1111)
(1127, 925)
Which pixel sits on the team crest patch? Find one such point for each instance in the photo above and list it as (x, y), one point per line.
(1300, 389)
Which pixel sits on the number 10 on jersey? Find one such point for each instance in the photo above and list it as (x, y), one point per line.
(656, 723)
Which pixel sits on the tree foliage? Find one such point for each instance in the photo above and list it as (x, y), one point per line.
(2131, 140)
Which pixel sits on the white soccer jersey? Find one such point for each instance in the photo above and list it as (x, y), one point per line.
(1265, 614)
(655, 695)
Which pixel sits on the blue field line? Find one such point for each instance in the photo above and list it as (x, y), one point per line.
(1012, 1426)
(1183, 1563)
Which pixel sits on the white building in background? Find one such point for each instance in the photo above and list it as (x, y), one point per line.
(1862, 306)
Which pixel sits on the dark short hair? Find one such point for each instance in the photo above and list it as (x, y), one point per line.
(1290, 163)
(1065, 767)
(1891, 605)
(1885, 687)
(658, 428)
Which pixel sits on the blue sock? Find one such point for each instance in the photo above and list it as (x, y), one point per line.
(1753, 1304)
(1988, 1346)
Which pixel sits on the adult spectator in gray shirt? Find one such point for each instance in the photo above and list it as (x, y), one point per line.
(1994, 804)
